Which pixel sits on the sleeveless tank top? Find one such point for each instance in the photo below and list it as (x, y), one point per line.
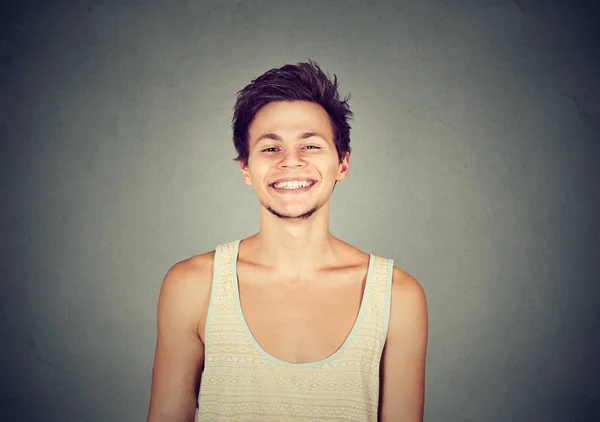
(242, 382)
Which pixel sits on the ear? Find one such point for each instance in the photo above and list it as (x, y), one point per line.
(245, 173)
(344, 167)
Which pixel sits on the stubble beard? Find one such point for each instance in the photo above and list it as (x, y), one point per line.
(304, 216)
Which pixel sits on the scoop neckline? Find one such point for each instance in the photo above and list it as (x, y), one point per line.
(361, 312)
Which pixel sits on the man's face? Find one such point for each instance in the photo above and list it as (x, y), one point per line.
(293, 140)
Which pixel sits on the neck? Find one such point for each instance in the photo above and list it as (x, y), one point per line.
(294, 247)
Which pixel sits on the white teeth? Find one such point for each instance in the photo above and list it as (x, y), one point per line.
(293, 184)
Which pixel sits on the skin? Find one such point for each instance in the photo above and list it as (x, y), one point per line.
(294, 269)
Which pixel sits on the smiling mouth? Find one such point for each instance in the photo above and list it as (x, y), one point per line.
(293, 186)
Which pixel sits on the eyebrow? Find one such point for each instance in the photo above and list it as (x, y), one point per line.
(275, 137)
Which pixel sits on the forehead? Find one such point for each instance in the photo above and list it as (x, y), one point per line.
(290, 117)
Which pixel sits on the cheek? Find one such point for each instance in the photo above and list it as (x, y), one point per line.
(333, 167)
(258, 171)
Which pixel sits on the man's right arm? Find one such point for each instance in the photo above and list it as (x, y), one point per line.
(179, 355)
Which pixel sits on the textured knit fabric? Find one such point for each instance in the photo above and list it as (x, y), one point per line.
(242, 382)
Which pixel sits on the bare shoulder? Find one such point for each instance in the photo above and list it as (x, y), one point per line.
(179, 355)
(406, 287)
(187, 286)
(190, 272)
(404, 353)
(191, 275)
(408, 304)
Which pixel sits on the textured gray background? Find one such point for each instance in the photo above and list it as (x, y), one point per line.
(475, 166)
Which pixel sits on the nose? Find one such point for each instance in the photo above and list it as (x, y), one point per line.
(291, 158)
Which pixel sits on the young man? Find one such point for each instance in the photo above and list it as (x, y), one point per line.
(290, 324)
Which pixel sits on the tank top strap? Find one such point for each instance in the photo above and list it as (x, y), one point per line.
(381, 295)
(222, 320)
(371, 331)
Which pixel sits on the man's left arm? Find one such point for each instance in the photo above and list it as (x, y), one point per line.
(402, 392)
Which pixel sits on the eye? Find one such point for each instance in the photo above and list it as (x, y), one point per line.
(312, 147)
(267, 150)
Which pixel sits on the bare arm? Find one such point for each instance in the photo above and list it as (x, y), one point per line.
(403, 361)
(179, 354)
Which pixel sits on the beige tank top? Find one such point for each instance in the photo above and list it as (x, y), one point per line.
(242, 382)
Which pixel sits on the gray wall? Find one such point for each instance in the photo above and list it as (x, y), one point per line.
(475, 166)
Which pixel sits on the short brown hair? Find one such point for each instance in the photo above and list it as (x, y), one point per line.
(301, 82)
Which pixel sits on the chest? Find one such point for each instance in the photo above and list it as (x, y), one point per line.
(304, 320)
